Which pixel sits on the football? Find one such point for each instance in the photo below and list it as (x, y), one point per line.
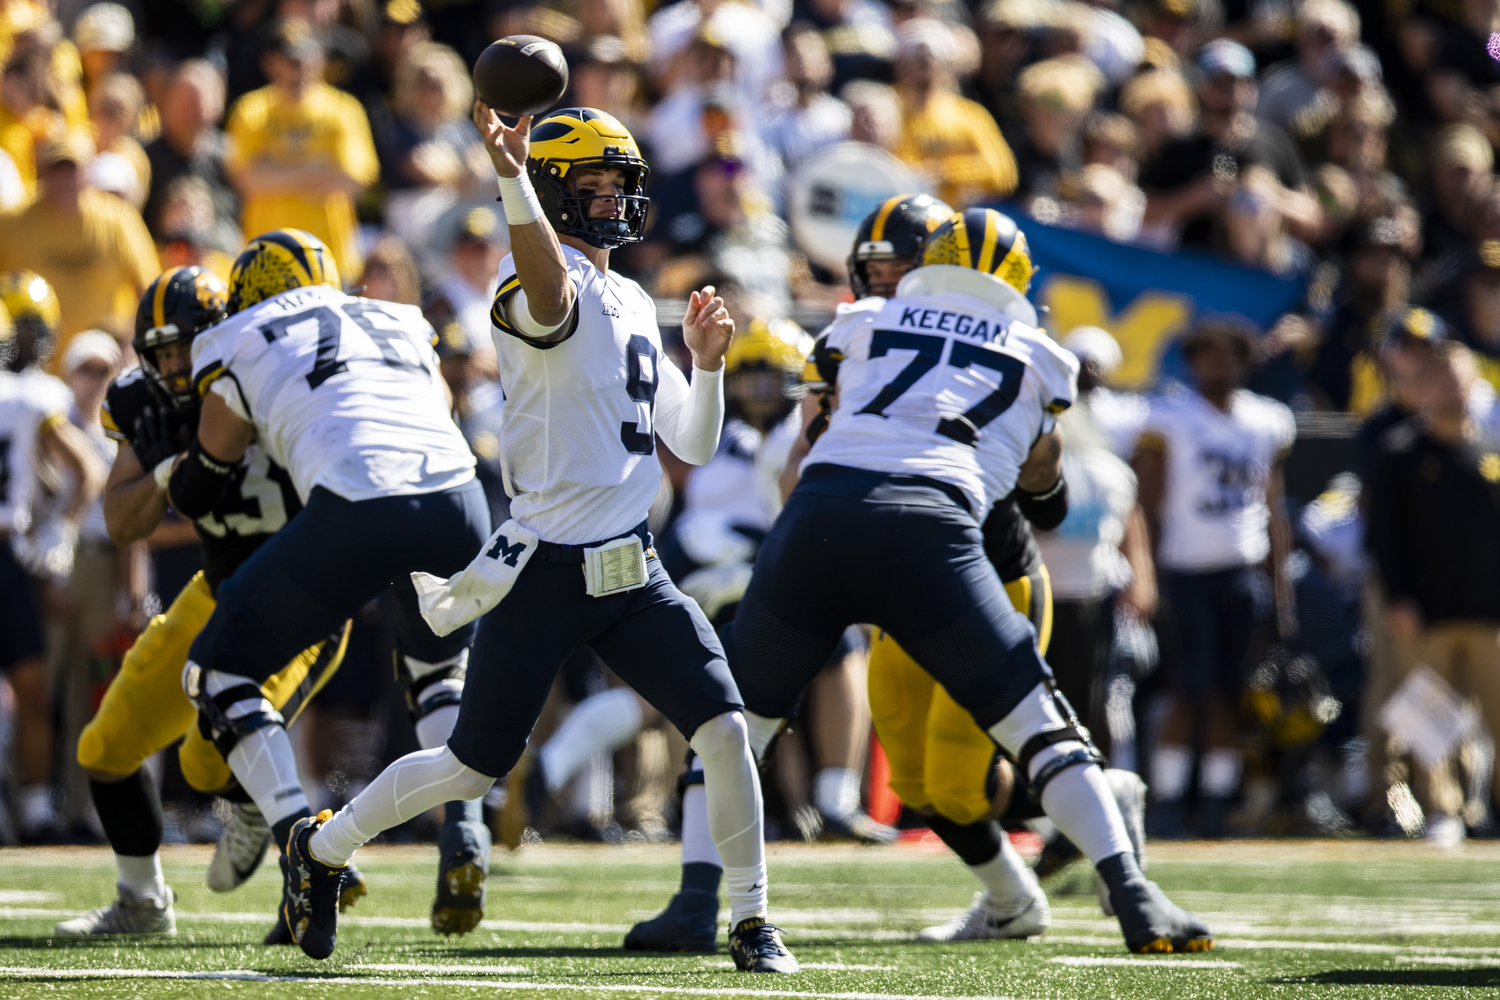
(521, 75)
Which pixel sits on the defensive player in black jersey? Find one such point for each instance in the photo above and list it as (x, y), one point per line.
(152, 411)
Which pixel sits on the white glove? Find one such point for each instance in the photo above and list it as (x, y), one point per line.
(717, 587)
(449, 604)
(48, 553)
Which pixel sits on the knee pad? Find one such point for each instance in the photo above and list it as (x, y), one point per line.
(230, 707)
(1043, 737)
(430, 686)
(722, 734)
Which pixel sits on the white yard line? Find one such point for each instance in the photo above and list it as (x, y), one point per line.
(1148, 963)
(473, 970)
(1476, 962)
(241, 975)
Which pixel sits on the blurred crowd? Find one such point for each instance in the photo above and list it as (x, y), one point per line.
(1350, 146)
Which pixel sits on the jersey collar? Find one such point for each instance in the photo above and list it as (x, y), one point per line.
(950, 279)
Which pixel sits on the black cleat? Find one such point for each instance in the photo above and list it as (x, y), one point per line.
(313, 891)
(463, 867)
(689, 923)
(756, 946)
(279, 935)
(1153, 923)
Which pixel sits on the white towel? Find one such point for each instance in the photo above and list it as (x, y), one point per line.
(449, 604)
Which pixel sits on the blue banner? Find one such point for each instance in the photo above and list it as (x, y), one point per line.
(1144, 298)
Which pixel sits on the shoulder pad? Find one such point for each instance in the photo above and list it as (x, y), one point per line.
(127, 396)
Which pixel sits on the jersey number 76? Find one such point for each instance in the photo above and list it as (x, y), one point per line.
(330, 330)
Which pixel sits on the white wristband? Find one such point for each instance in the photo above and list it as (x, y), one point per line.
(163, 471)
(520, 201)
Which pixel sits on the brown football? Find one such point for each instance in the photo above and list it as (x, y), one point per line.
(521, 75)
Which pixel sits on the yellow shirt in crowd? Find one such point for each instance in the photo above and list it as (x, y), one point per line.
(326, 125)
(16, 139)
(99, 260)
(956, 142)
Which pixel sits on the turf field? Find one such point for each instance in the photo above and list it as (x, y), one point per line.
(1295, 919)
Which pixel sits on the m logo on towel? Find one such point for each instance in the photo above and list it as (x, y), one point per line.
(506, 552)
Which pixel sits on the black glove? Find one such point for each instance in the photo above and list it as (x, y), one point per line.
(155, 438)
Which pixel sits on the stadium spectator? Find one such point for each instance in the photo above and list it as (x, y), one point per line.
(22, 90)
(602, 76)
(103, 34)
(434, 156)
(1162, 106)
(805, 117)
(89, 244)
(191, 144)
(190, 231)
(1434, 531)
(875, 114)
(1253, 227)
(1112, 140)
(1191, 178)
(1056, 94)
(623, 20)
(465, 289)
(105, 589)
(1325, 29)
(1462, 161)
(302, 150)
(1209, 466)
(1473, 312)
(115, 102)
(744, 30)
(949, 138)
(390, 273)
(1097, 199)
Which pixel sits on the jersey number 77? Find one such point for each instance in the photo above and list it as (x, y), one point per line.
(965, 427)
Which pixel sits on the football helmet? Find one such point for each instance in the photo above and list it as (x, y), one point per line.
(985, 240)
(181, 303)
(35, 318)
(763, 371)
(276, 262)
(568, 139)
(896, 230)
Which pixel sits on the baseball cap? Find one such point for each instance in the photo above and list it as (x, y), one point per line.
(294, 38)
(70, 146)
(104, 27)
(1225, 58)
(90, 345)
(1415, 325)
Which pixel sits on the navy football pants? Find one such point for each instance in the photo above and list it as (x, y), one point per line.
(897, 552)
(332, 559)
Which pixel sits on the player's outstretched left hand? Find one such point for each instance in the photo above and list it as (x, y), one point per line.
(707, 329)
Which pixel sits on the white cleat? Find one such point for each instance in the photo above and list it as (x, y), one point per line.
(984, 922)
(126, 915)
(240, 850)
(1130, 796)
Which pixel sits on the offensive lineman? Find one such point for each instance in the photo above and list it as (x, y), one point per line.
(587, 389)
(944, 401)
(151, 410)
(345, 394)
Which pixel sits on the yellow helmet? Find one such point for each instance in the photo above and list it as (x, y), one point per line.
(34, 317)
(779, 343)
(568, 139)
(276, 262)
(985, 240)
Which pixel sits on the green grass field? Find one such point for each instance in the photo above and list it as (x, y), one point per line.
(1295, 920)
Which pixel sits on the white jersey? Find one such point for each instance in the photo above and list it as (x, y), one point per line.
(944, 383)
(1214, 511)
(344, 392)
(578, 444)
(29, 402)
(721, 498)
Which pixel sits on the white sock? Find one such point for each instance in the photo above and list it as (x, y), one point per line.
(1171, 766)
(434, 728)
(602, 723)
(1219, 773)
(732, 794)
(1078, 799)
(407, 788)
(267, 770)
(836, 791)
(697, 842)
(1007, 879)
(142, 876)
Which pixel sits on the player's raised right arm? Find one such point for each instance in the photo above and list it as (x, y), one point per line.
(539, 260)
(134, 503)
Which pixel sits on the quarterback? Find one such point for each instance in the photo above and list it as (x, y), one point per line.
(587, 391)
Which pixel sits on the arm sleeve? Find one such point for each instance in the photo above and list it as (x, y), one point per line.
(689, 417)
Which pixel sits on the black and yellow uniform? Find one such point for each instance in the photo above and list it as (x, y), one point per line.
(145, 709)
(940, 759)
